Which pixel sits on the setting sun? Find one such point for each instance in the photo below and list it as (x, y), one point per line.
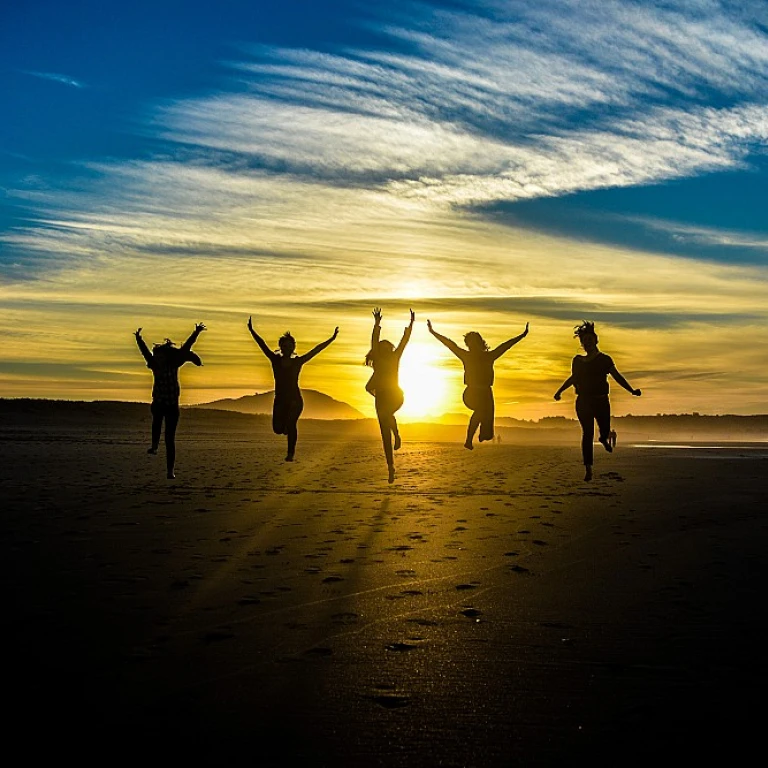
(425, 382)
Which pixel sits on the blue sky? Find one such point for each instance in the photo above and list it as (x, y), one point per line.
(505, 157)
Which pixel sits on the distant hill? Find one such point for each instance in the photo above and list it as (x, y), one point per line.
(316, 405)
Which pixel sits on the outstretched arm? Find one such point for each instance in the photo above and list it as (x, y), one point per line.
(452, 345)
(507, 345)
(406, 336)
(376, 332)
(565, 385)
(319, 348)
(624, 383)
(143, 347)
(263, 344)
(187, 345)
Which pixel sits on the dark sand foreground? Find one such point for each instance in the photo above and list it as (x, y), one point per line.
(489, 609)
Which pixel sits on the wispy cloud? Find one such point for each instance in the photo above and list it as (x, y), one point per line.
(56, 78)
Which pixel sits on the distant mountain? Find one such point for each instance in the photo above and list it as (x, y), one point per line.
(316, 405)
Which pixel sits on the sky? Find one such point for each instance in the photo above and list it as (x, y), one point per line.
(487, 164)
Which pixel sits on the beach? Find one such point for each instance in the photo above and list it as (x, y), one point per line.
(489, 608)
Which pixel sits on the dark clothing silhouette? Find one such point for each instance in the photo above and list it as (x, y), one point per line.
(288, 404)
(384, 385)
(589, 377)
(478, 379)
(588, 410)
(164, 361)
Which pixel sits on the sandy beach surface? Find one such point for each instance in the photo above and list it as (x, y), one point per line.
(488, 609)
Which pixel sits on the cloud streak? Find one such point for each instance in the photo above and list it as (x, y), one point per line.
(55, 77)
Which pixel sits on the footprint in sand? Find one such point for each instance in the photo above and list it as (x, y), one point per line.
(471, 613)
(518, 569)
(249, 600)
(424, 622)
(319, 652)
(400, 647)
(345, 618)
(391, 701)
(332, 579)
(217, 636)
(462, 587)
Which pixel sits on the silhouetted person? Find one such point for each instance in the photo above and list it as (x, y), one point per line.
(286, 367)
(384, 385)
(589, 377)
(164, 361)
(478, 362)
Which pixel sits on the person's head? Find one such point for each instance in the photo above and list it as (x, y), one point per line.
(164, 351)
(382, 350)
(587, 335)
(287, 344)
(475, 342)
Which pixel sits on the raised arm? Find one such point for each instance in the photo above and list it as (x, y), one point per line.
(565, 385)
(187, 345)
(507, 345)
(319, 348)
(624, 383)
(376, 332)
(263, 344)
(452, 345)
(406, 336)
(143, 347)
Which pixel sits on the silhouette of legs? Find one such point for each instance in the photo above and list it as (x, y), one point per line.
(589, 410)
(474, 423)
(479, 400)
(396, 433)
(169, 413)
(386, 407)
(285, 416)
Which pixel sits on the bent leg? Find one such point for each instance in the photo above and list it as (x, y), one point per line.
(291, 427)
(474, 423)
(487, 413)
(603, 418)
(280, 416)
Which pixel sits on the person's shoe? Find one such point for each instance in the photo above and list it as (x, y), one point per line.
(468, 445)
(152, 451)
(289, 457)
(391, 478)
(606, 443)
(398, 442)
(587, 473)
(612, 438)
(171, 476)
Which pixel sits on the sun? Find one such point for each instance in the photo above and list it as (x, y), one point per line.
(424, 382)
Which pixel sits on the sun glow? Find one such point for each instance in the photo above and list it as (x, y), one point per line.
(424, 381)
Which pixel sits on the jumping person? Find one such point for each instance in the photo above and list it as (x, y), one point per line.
(589, 377)
(164, 361)
(286, 367)
(384, 385)
(478, 362)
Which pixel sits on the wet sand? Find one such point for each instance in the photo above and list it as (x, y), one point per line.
(488, 609)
